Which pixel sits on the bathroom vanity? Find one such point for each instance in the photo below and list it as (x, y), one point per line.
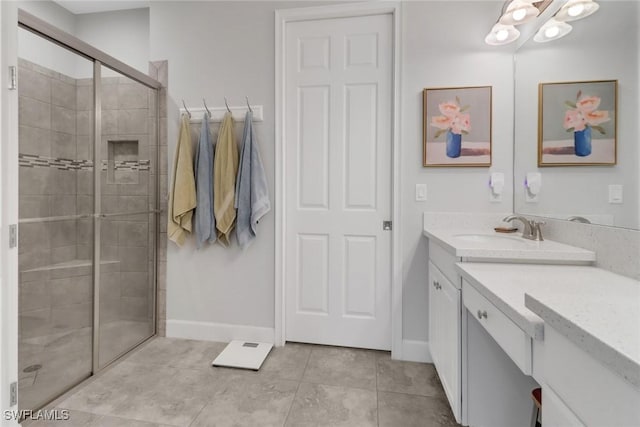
(580, 330)
(450, 299)
(507, 315)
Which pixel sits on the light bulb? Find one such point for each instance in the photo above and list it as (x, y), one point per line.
(519, 15)
(502, 35)
(551, 32)
(576, 9)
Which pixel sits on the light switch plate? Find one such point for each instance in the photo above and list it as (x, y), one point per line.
(421, 192)
(615, 194)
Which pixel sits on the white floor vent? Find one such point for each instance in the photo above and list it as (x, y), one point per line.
(243, 354)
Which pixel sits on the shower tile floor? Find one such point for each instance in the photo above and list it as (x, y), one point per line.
(65, 357)
(170, 382)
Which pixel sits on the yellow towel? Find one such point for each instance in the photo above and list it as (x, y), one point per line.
(182, 196)
(225, 169)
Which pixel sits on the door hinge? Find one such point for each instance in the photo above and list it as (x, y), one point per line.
(13, 77)
(13, 394)
(387, 225)
(13, 235)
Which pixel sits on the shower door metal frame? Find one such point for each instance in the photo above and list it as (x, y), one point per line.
(99, 59)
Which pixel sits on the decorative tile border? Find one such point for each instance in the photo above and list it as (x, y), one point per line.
(31, 161)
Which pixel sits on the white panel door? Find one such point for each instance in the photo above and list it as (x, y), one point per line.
(338, 96)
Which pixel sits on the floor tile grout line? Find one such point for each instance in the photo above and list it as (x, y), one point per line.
(293, 401)
(377, 360)
(199, 412)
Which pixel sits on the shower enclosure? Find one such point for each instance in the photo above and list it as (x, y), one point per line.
(88, 210)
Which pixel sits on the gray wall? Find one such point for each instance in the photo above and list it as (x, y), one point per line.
(602, 47)
(431, 60)
(228, 50)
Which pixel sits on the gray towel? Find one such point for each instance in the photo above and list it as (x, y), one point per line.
(252, 192)
(205, 222)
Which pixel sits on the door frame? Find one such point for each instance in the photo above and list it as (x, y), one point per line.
(8, 208)
(282, 18)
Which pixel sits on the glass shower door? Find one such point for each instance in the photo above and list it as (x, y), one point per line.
(88, 216)
(127, 215)
(55, 219)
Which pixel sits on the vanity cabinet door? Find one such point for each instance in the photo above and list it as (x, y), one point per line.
(434, 317)
(444, 334)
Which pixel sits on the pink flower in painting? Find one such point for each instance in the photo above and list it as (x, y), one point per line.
(594, 118)
(583, 114)
(573, 119)
(461, 122)
(449, 109)
(441, 122)
(454, 118)
(587, 104)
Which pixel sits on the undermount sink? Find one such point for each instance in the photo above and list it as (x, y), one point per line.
(488, 238)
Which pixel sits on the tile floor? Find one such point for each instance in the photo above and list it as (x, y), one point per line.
(170, 382)
(65, 357)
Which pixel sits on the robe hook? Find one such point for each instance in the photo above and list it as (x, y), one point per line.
(248, 105)
(205, 107)
(225, 103)
(186, 109)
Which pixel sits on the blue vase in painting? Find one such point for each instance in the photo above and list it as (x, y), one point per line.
(454, 144)
(582, 141)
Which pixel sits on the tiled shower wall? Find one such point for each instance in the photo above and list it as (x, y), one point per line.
(56, 179)
(51, 300)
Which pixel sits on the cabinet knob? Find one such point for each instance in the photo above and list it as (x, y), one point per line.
(482, 313)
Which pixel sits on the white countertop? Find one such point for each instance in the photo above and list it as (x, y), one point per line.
(597, 310)
(505, 285)
(507, 247)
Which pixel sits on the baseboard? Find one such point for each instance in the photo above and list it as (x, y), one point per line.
(416, 351)
(221, 332)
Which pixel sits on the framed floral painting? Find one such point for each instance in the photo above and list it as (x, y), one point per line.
(456, 126)
(577, 123)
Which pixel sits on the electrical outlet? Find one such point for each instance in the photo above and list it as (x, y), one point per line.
(421, 192)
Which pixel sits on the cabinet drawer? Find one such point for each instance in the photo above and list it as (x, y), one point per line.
(513, 340)
(445, 261)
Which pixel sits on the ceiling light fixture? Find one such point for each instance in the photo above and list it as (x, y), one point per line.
(576, 9)
(553, 29)
(502, 34)
(518, 12)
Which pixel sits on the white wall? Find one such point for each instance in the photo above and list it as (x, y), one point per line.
(230, 52)
(121, 34)
(444, 46)
(43, 52)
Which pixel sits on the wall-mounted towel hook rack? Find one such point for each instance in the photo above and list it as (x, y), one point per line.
(227, 104)
(186, 109)
(248, 105)
(217, 114)
(205, 107)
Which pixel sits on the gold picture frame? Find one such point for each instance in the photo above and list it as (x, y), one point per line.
(457, 126)
(578, 123)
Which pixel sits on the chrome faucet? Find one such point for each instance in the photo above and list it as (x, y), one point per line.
(531, 231)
